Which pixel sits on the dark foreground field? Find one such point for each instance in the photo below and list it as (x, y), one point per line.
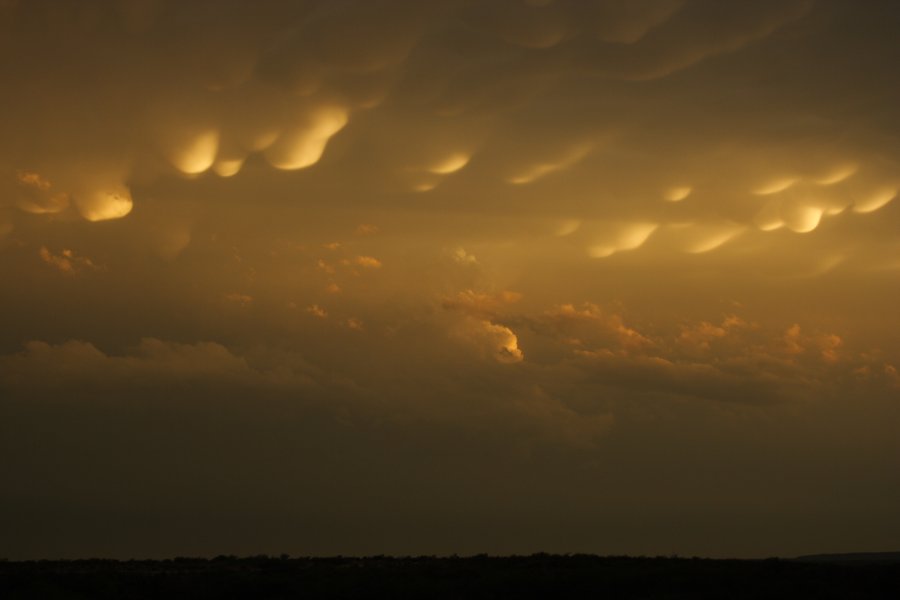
(537, 576)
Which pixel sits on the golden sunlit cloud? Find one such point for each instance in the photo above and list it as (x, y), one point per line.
(367, 261)
(33, 180)
(838, 175)
(707, 237)
(539, 170)
(567, 227)
(533, 174)
(303, 146)
(67, 261)
(875, 201)
(677, 194)
(197, 153)
(49, 204)
(425, 186)
(263, 140)
(228, 168)
(105, 203)
(835, 209)
(450, 164)
(776, 185)
(628, 237)
(591, 319)
(803, 219)
(702, 335)
(497, 341)
(772, 225)
(601, 251)
(769, 216)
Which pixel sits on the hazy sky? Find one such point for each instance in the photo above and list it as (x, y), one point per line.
(455, 276)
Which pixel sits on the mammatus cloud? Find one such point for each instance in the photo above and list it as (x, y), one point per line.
(285, 88)
(304, 144)
(345, 263)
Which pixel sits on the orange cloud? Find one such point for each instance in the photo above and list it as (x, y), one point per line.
(366, 229)
(317, 311)
(704, 333)
(368, 262)
(33, 180)
(491, 341)
(67, 261)
(571, 318)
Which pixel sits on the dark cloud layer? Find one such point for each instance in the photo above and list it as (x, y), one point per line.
(452, 276)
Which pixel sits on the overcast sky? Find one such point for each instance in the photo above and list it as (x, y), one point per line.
(455, 276)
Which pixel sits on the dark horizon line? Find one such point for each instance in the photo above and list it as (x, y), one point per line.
(856, 557)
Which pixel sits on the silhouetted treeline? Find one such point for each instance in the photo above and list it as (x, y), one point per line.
(536, 576)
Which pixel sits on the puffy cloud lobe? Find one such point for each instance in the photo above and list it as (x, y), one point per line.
(105, 203)
(196, 153)
(624, 237)
(303, 145)
(592, 324)
(703, 334)
(493, 341)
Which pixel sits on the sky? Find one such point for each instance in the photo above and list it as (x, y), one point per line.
(458, 276)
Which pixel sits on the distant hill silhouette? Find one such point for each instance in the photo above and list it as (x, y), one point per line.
(853, 557)
(476, 577)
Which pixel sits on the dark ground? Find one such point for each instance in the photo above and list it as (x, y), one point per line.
(537, 576)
